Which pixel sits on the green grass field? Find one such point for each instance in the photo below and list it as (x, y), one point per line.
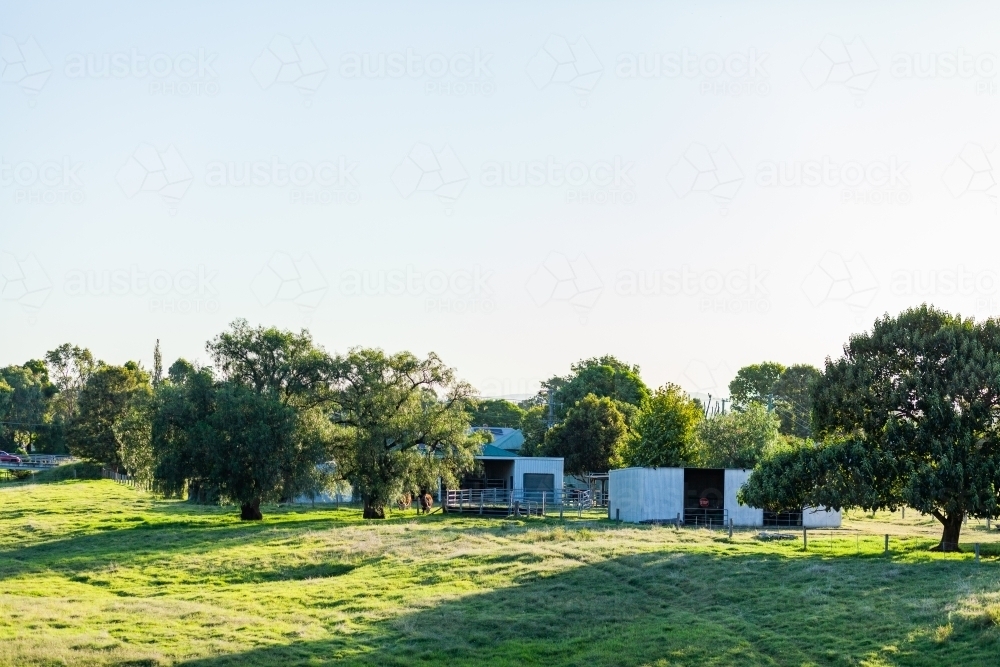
(92, 572)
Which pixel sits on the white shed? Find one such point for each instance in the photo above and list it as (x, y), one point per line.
(698, 496)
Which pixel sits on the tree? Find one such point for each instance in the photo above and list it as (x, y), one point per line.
(590, 438)
(666, 431)
(534, 425)
(157, 364)
(268, 360)
(181, 440)
(253, 440)
(793, 399)
(916, 403)
(394, 413)
(604, 376)
(754, 384)
(110, 393)
(738, 439)
(495, 412)
(69, 368)
(26, 391)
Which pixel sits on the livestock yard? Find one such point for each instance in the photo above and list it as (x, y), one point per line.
(97, 573)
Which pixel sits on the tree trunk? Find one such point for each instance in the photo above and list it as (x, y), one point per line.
(251, 511)
(373, 511)
(952, 530)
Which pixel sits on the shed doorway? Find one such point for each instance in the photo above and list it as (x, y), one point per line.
(704, 496)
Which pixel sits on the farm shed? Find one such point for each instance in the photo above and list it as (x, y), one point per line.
(698, 496)
(526, 476)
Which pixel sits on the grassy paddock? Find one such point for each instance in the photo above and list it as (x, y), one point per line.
(92, 572)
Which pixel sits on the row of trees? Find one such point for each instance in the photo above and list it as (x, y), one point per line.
(273, 417)
(604, 416)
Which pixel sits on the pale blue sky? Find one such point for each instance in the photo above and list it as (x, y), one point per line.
(661, 219)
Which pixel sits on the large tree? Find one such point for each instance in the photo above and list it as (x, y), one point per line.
(666, 430)
(606, 377)
(26, 392)
(590, 438)
(908, 416)
(738, 439)
(396, 414)
(110, 395)
(755, 384)
(793, 399)
(268, 360)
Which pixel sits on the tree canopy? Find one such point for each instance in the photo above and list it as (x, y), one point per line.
(909, 416)
(590, 438)
(666, 431)
(399, 418)
(738, 439)
(754, 384)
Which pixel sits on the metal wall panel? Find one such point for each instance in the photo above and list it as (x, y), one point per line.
(819, 517)
(741, 515)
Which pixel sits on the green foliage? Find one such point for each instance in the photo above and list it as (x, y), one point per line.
(268, 360)
(793, 399)
(666, 431)
(919, 397)
(495, 412)
(604, 376)
(590, 438)
(738, 439)
(252, 438)
(401, 420)
(754, 384)
(24, 395)
(534, 425)
(109, 397)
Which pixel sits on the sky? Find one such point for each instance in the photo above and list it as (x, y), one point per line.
(515, 186)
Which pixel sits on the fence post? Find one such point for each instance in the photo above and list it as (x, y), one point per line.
(730, 529)
(560, 510)
(977, 552)
(887, 543)
(543, 503)
(805, 539)
(618, 514)
(987, 518)
(677, 523)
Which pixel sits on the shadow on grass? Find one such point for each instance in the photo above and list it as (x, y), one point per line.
(671, 608)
